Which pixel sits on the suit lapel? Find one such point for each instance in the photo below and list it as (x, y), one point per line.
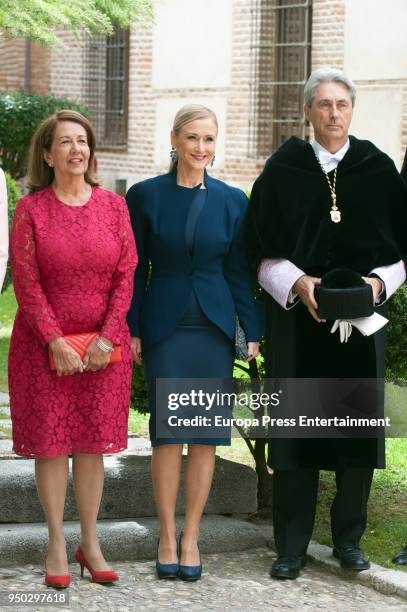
(209, 213)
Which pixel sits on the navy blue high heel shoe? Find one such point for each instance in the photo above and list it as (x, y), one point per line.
(166, 570)
(189, 572)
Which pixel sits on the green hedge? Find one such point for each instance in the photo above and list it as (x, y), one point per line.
(13, 195)
(396, 355)
(139, 392)
(20, 115)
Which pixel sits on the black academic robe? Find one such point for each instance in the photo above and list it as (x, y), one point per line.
(288, 217)
(403, 170)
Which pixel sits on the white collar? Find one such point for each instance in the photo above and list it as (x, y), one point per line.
(326, 158)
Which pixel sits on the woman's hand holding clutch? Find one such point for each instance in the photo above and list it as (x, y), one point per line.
(67, 361)
(95, 358)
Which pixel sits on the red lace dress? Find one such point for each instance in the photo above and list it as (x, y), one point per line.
(73, 269)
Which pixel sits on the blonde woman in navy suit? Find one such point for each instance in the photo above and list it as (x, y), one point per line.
(182, 320)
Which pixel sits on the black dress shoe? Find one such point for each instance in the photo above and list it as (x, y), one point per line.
(287, 567)
(401, 557)
(351, 558)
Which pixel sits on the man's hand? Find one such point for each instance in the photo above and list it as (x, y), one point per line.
(66, 359)
(136, 350)
(376, 284)
(304, 288)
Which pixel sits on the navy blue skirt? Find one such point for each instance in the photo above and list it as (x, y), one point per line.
(196, 349)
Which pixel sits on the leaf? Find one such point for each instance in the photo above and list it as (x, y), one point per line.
(38, 19)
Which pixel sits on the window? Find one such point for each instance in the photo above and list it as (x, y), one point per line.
(105, 86)
(281, 54)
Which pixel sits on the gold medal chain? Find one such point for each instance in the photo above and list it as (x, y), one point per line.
(332, 188)
(335, 212)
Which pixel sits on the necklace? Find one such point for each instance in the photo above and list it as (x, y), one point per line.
(335, 212)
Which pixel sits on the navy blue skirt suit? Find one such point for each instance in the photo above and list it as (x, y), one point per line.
(191, 281)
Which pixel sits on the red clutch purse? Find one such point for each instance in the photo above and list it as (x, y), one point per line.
(80, 344)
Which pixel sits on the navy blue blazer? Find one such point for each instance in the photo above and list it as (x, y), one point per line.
(218, 271)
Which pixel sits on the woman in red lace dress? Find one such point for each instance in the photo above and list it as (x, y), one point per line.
(73, 258)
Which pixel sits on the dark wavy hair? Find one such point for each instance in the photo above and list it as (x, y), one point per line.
(40, 175)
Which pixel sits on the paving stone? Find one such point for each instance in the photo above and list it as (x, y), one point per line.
(231, 581)
(6, 448)
(4, 398)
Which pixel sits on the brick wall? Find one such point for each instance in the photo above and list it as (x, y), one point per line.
(65, 74)
(328, 33)
(239, 169)
(138, 161)
(40, 70)
(11, 63)
(12, 66)
(60, 71)
(396, 85)
(328, 46)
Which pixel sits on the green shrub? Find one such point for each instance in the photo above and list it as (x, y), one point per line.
(139, 392)
(20, 115)
(13, 195)
(396, 356)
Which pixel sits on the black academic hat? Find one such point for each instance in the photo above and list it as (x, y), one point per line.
(343, 294)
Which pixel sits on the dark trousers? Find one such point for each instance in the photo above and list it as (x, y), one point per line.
(294, 503)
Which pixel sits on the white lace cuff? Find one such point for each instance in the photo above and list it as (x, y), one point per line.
(393, 276)
(277, 277)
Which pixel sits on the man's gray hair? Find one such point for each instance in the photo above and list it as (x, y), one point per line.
(326, 74)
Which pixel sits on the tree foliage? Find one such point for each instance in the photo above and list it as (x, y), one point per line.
(139, 391)
(13, 195)
(37, 19)
(20, 114)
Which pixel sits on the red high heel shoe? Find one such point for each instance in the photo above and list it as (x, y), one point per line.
(102, 577)
(58, 582)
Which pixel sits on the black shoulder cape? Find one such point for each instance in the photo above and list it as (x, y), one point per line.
(288, 215)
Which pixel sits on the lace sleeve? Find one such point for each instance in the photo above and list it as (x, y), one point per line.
(122, 283)
(30, 296)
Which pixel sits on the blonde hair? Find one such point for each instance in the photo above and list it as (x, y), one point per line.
(188, 113)
(40, 175)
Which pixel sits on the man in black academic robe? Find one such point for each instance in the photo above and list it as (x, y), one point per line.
(401, 557)
(299, 219)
